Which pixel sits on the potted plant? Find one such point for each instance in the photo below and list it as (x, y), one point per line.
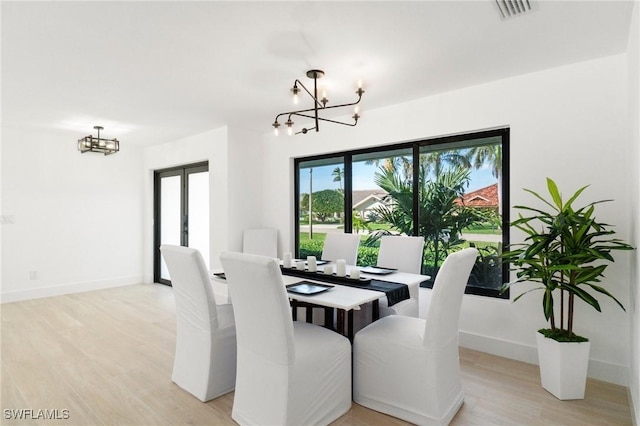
(565, 251)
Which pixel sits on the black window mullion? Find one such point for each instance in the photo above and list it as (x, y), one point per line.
(348, 194)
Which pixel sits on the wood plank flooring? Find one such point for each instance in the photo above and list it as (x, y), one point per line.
(105, 358)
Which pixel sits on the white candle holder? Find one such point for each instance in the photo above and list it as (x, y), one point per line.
(286, 260)
(312, 265)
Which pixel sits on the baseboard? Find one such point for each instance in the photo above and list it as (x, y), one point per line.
(599, 370)
(59, 290)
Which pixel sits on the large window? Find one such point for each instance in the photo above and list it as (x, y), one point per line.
(449, 190)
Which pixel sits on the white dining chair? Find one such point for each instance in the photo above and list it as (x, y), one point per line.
(205, 357)
(400, 252)
(338, 245)
(261, 241)
(403, 253)
(409, 367)
(289, 372)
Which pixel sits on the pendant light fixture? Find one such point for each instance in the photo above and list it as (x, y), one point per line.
(104, 146)
(318, 106)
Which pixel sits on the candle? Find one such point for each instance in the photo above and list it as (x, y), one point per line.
(341, 267)
(354, 273)
(286, 260)
(312, 264)
(300, 265)
(328, 269)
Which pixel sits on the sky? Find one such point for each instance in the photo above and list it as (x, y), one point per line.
(363, 178)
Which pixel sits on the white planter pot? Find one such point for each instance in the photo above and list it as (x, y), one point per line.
(563, 367)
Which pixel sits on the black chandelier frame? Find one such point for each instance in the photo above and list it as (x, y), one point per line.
(98, 144)
(318, 105)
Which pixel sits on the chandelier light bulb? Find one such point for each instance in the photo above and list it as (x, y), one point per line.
(289, 124)
(295, 90)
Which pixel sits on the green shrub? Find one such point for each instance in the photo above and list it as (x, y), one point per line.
(311, 248)
(367, 255)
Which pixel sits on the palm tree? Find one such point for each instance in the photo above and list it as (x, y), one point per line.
(441, 218)
(479, 156)
(435, 161)
(338, 175)
(391, 164)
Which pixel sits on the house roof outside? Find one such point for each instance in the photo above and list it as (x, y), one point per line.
(367, 197)
(486, 197)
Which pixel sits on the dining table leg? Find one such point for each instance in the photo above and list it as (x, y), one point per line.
(328, 318)
(340, 322)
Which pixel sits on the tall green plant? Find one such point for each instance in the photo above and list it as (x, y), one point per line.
(441, 218)
(564, 255)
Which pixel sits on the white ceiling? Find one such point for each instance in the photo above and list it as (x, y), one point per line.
(152, 72)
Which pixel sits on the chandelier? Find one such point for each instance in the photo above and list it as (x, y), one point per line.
(318, 105)
(105, 146)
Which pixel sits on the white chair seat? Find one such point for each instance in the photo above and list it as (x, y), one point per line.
(408, 307)
(393, 386)
(408, 367)
(226, 320)
(205, 356)
(289, 373)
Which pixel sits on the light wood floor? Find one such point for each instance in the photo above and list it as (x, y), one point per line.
(106, 357)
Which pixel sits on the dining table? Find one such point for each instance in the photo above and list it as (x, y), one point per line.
(341, 294)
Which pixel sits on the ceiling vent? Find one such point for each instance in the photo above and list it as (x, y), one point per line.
(511, 8)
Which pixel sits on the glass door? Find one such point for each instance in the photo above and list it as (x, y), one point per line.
(181, 213)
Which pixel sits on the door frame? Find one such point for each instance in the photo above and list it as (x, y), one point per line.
(184, 171)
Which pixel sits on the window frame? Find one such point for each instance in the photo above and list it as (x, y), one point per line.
(415, 146)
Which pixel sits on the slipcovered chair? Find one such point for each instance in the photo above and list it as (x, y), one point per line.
(205, 358)
(409, 367)
(289, 372)
(401, 252)
(262, 241)
(338, 245)
(404, 254)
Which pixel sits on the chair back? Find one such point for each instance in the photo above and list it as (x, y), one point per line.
(401, 252)
(263, 316)
(263, 242)
(338, 245)
(189, 276)
(443, 316)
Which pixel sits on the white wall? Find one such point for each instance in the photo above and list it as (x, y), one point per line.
(633, 53)
(234, 157)
(567, 123)
(76, 217)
